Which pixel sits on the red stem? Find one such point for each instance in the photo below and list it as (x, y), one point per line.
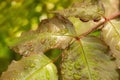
(99, 24)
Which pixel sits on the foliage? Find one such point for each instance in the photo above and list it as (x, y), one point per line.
(17, 16)
(87, 61)
(61, 39)
(34, 67)
(111, 35)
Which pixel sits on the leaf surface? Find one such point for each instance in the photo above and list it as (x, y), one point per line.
(111, 35)
(50, 34)
(87, 62)
(85, 10)
(34, 67)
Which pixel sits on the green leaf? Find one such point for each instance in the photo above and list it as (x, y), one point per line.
(111, 35)
(85, 10)
(81, 27)
(88, 61)
(50, 34)
(109, 10)
(34, 67)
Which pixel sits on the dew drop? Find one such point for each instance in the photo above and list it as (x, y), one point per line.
(63, 67)
(117, 47)
(77, 65)
(97, 19)
(76, 76)
(70, 67)
(32, 65)
(14, 61)
(69, 73)
(31, 49)
(25, 53)
(15, 72)
(25, 67)
(84, 20)
(118, 67)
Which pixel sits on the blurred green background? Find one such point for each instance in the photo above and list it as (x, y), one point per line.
(17, 16)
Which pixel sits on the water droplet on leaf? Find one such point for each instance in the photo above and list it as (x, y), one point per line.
(76, 76)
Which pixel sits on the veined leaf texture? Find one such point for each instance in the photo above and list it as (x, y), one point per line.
(50, 34)
(88, 61)
(34, 67)
(111, 35)
(85, 10)
(84, 59)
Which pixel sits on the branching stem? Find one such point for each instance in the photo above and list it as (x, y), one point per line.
(103, 21)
